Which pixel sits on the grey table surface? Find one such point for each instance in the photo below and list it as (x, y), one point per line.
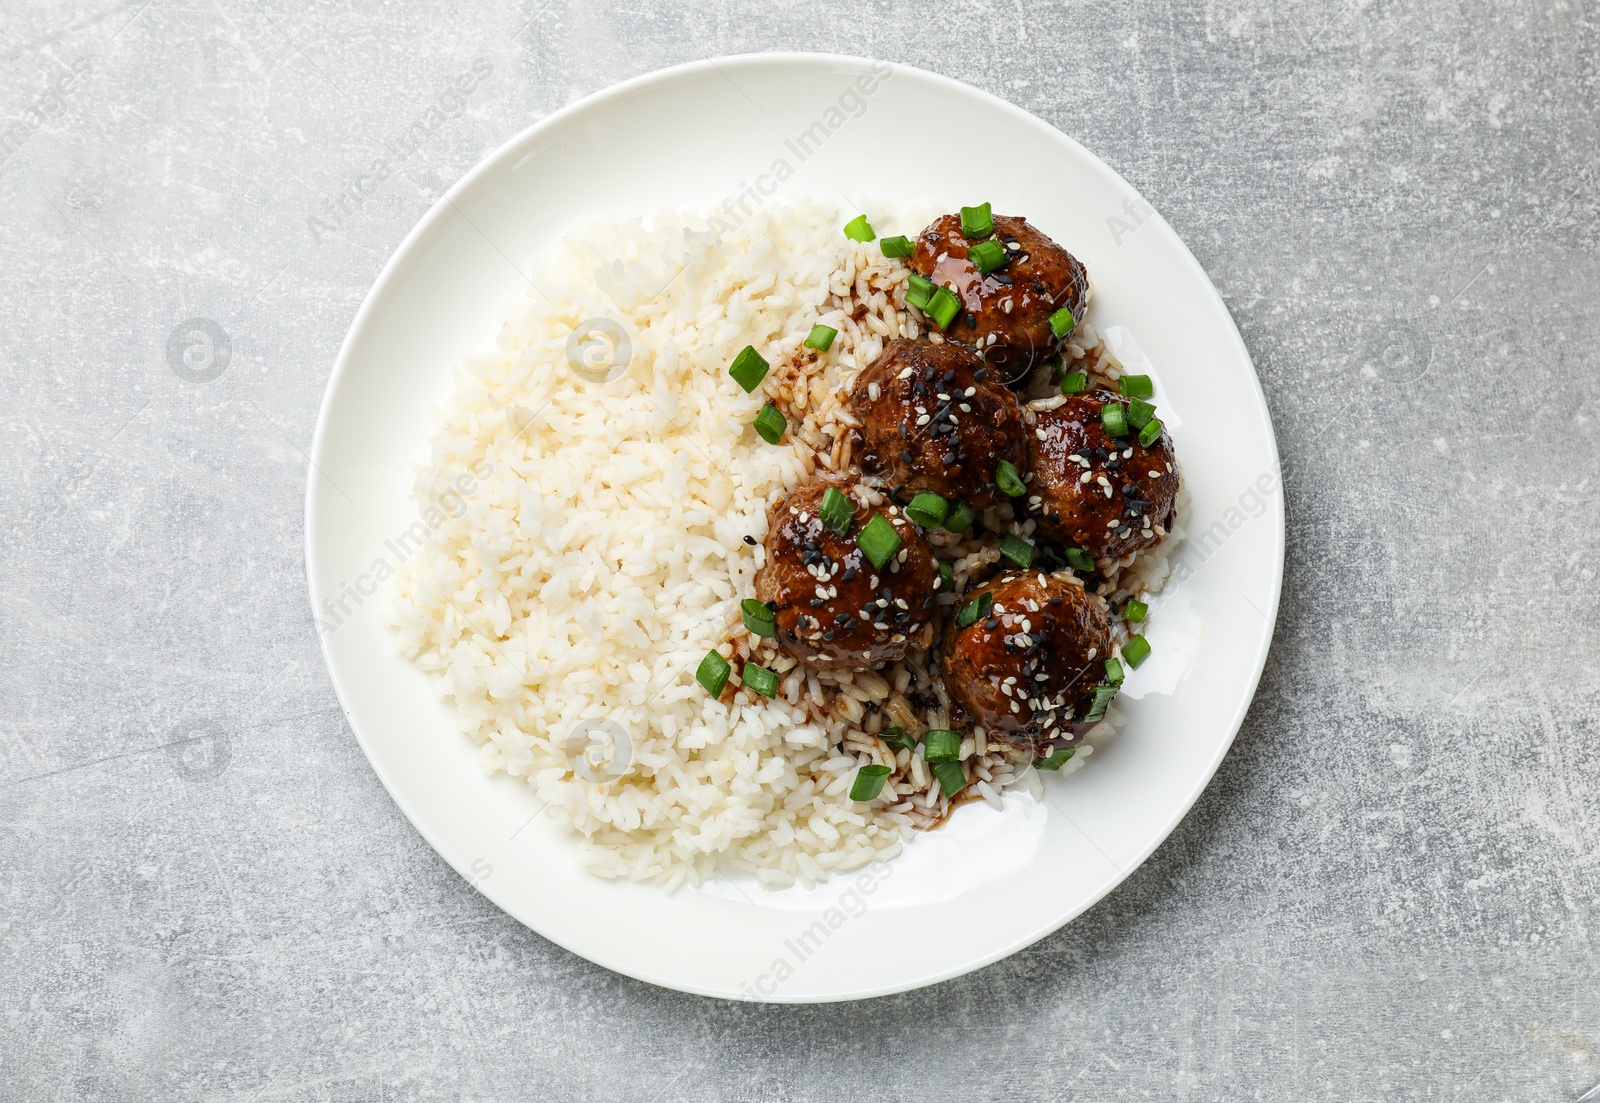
(1389, 891)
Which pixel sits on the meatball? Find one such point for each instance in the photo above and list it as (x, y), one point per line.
(933, 418)
(834, 608)
(1006, 314)
(1108, 495)
(1027, 670)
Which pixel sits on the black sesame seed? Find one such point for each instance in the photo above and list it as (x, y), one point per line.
(992, 623)
(980, 373)
(828, 635)
(906, 457)
(948, 459)
(792, 637)
(751, 540)
(849, 575)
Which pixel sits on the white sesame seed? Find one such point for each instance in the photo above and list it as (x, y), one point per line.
(874, 392)
(1086, 476)
(942, 397)
(1093, 651)
(1041, 434)
(923, 420)
(965, 408)
(905, 373)
(970, 391)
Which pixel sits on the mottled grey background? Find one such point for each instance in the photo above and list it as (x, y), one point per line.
(1389, 892)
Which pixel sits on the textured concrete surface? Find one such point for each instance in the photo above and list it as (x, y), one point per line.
(1389, 892)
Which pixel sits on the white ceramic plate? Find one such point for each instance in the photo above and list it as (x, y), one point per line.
(987, 884)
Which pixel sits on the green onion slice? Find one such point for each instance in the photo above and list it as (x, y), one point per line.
(974, 610)
(758, 618)
(1074, 382)
(859, 229)
(1114, 672)
(977, 221)
(947, 577)
(1134, 611)
(1140, 413)
(919, 291)
(941, 745)
(1079, 559)
(1136, 386)
(1151, 432)
(878, 541)
(986, 256)
(748, 369)
(897, 246)
(960, 518)
(943, 307)
(1016, 549)
(1062, 322)
(928, 510)
(1103, 696)
(820, 337)
(713, 673)
(836, 511)
(869, 782)
(1114, 419)
(1136, 651)
(1058, 758)
(771, 424)
(1009, 480)
(951, 779)
(898, 738)
(760, 679)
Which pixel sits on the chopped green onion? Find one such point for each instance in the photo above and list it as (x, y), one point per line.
(960, 518)
(760, 679)
(1074, 382)
(1058, 758)
(977, 221)
(928, 510)
(869, 782)
(878, 540)
(943, 307)
(836, 511)
(1114, 418)
(1136, 650)
(1134, 611)
(1079, 559)
(771, 424)
(758, 618)
(748, 369)
(951, 779)
(898, 738)
(919, 291)
(1136, 386)
(820, 337)
(859, 229)
(986, 256)
(1018, 550)
(1150, 433)
(947, 576)
(1009, 479)
(1140, 412)
(941, 745)
(713, 673)
(897, 246)
(973, 610)
(1114, 672)
(1103, 696)
(1062, 322)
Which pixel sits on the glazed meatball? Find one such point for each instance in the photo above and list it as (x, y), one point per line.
(1006, 314)
(834, 608)
(1027, 670)
(934, 418)
(1108, 495)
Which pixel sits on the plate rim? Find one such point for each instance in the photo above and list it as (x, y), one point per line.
(445, 205)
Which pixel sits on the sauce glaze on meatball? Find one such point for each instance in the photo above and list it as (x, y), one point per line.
(1027, 670)
(1108, 495)
(933, 417)
(834, 608)
(1005, 314)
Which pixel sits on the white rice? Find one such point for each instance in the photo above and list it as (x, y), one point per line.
(587, 547)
